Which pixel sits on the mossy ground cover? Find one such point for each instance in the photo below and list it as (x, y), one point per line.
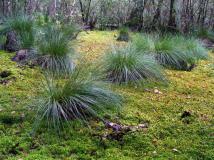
(170, 135)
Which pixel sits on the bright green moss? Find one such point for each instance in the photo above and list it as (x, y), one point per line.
(168, 136)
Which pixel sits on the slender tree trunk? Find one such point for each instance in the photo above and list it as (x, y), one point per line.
(88, 12)
(172, 22)
(30, 7)
(52, 8)
(82, 11)
(156, 18)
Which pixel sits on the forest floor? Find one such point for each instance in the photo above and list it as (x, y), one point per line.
(180, 115)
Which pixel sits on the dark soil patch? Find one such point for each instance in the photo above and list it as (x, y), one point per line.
(10, 120)
(207, 43)
(186, 114)
(5, 74)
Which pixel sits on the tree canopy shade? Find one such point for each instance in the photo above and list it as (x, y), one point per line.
(178, 15)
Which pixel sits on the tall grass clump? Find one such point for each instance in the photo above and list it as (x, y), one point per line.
(127, 65)
(55, 49)
(23, 26)
(194, 47)
(71, 30)
(177, 52)
(2, 41)
(80, 96)
(123, 34)
(205, 33)
(167, 54)
(143, 43)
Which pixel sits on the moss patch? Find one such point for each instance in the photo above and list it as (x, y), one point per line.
(169, 136)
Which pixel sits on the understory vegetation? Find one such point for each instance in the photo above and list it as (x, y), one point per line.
(172, 51)
(55, 52)
(23, 28)
(127, 65)
(78, 97)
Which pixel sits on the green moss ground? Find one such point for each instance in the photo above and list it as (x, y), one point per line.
(168, 136)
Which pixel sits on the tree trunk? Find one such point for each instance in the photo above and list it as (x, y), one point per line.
(156, 18)
(30, 7)
(52, 8)
(172, 22)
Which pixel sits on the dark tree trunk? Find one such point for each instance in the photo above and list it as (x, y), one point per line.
(52, 8)
(82, 11)
(172, 22)
(156, 18)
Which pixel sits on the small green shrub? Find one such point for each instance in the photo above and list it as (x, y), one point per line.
(78, 97)
(126, 65)
(123, 34)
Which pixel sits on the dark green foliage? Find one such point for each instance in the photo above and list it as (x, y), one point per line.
(54, 43)
(41, 20)
(194, 48)
(168, 55)
(123, 34)
(78, 97)
(71, 30)
(143, 43)
(2, 41)
(2, 38)
(205, 33)
(54, 49)
(178, 52)
(126, 65)
(23, 26)
(172, 51)
(10, 119)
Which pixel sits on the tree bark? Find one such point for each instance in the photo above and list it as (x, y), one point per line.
(52, 8)
(172, 21)
(156, 18)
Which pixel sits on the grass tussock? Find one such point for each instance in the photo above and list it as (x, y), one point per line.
(127, 65)
(176, 52)
(54, 49)
(205, 34)
(143, 43)
(78, 97)
(23, 26)
(123, 34)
